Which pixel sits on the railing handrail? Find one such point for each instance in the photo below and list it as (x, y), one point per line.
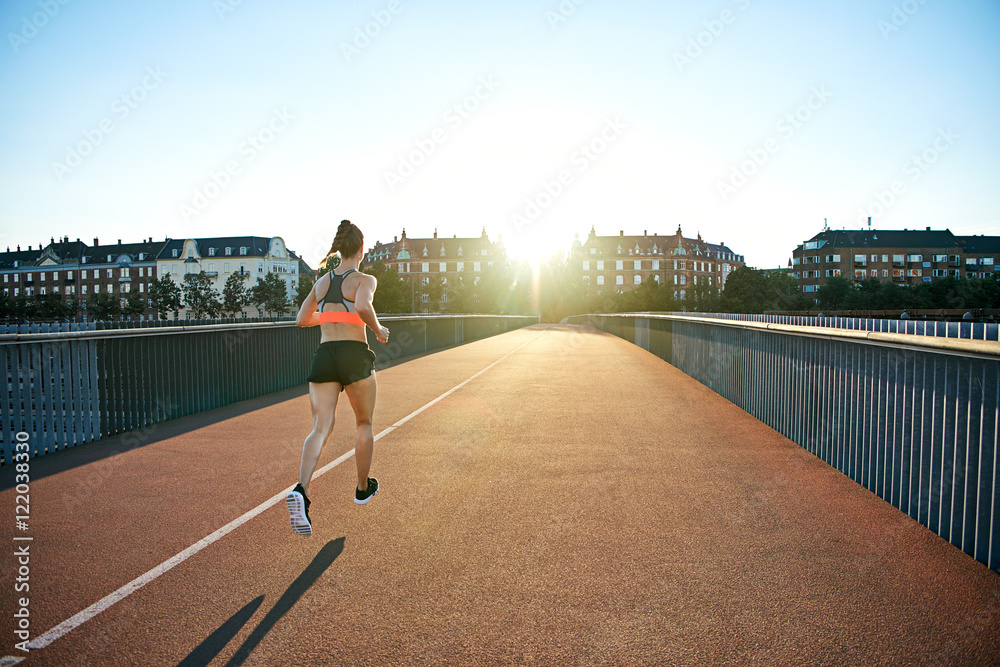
(962, 346)
(199, 328)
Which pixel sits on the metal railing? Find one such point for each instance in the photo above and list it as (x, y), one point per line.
(912, 418)
(68, 388)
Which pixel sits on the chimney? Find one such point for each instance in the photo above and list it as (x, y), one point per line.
(394, 239)
(621, 233)
(19, 248)
(119, 241)
(928, 229)
(95, 242)
(435, 232)
(644, 232)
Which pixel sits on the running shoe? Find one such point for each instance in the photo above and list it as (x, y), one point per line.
(362, 497)
(298, 511)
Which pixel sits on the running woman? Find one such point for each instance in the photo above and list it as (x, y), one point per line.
(341, 305)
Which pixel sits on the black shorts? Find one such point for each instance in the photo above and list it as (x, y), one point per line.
(343, 361)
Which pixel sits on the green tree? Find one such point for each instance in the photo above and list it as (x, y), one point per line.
(51, 307)
(393, 293)
(134, 305)
(200, 296)
(164, 296)
(744, 291)
(836, 294)
(269, 295)
(305, 286)
(234, 294)
(104, 306)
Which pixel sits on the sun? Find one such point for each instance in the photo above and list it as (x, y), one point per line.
(533, 249)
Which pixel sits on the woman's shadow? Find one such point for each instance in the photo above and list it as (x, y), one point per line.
(206, 651)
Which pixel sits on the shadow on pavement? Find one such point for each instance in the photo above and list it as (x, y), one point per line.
(205, 652)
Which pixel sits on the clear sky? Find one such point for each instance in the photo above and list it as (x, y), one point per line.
(747, 121)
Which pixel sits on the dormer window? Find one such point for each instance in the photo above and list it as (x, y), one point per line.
(229, 251)
(243, 250)
(110, 258)
(211, 252)
(442, 250)
(425, 251)
(174, 252)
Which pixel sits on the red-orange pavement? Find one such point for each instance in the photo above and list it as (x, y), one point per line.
(581, 502)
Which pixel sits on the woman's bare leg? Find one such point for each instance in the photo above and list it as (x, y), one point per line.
(362, 397)
(323, 399)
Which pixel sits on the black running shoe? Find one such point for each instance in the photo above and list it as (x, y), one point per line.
(298, 511)
(362, 497)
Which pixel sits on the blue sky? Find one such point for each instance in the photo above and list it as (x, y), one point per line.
(747, 121)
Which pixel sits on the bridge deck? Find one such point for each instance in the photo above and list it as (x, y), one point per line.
(579, 502)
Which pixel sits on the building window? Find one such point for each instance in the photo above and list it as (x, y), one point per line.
(243, 250)
(476, 266)
(586, 266)
(638, 265)
(914, 258)
(41, 290)
(860, 260)
(174, 252)
(425, 267)
(225, 267)
(986, 261)
(110, 273)
(637, 279)
(619, 265)
(656, 266)
(461, 266)
(683, 280)
(442, 267)
(123, 272)
(229, 251)
(211, 252)
(619, 280)
(141, 290)
(83, 289)
(125, 287)
(600, 265)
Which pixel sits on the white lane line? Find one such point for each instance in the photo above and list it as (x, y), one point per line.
(67, 626)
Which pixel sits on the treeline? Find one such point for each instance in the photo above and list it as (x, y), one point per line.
(556, 291)
(943, 293)
(165, 297)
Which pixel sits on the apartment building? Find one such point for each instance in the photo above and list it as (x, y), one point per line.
(621, 263)
(905, 257)
(250, 257)
(435, 266)
(77, 270)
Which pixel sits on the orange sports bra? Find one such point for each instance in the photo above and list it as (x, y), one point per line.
(348, 317)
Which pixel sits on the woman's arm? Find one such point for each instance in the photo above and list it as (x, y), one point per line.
(307, 315)
(363, 304)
